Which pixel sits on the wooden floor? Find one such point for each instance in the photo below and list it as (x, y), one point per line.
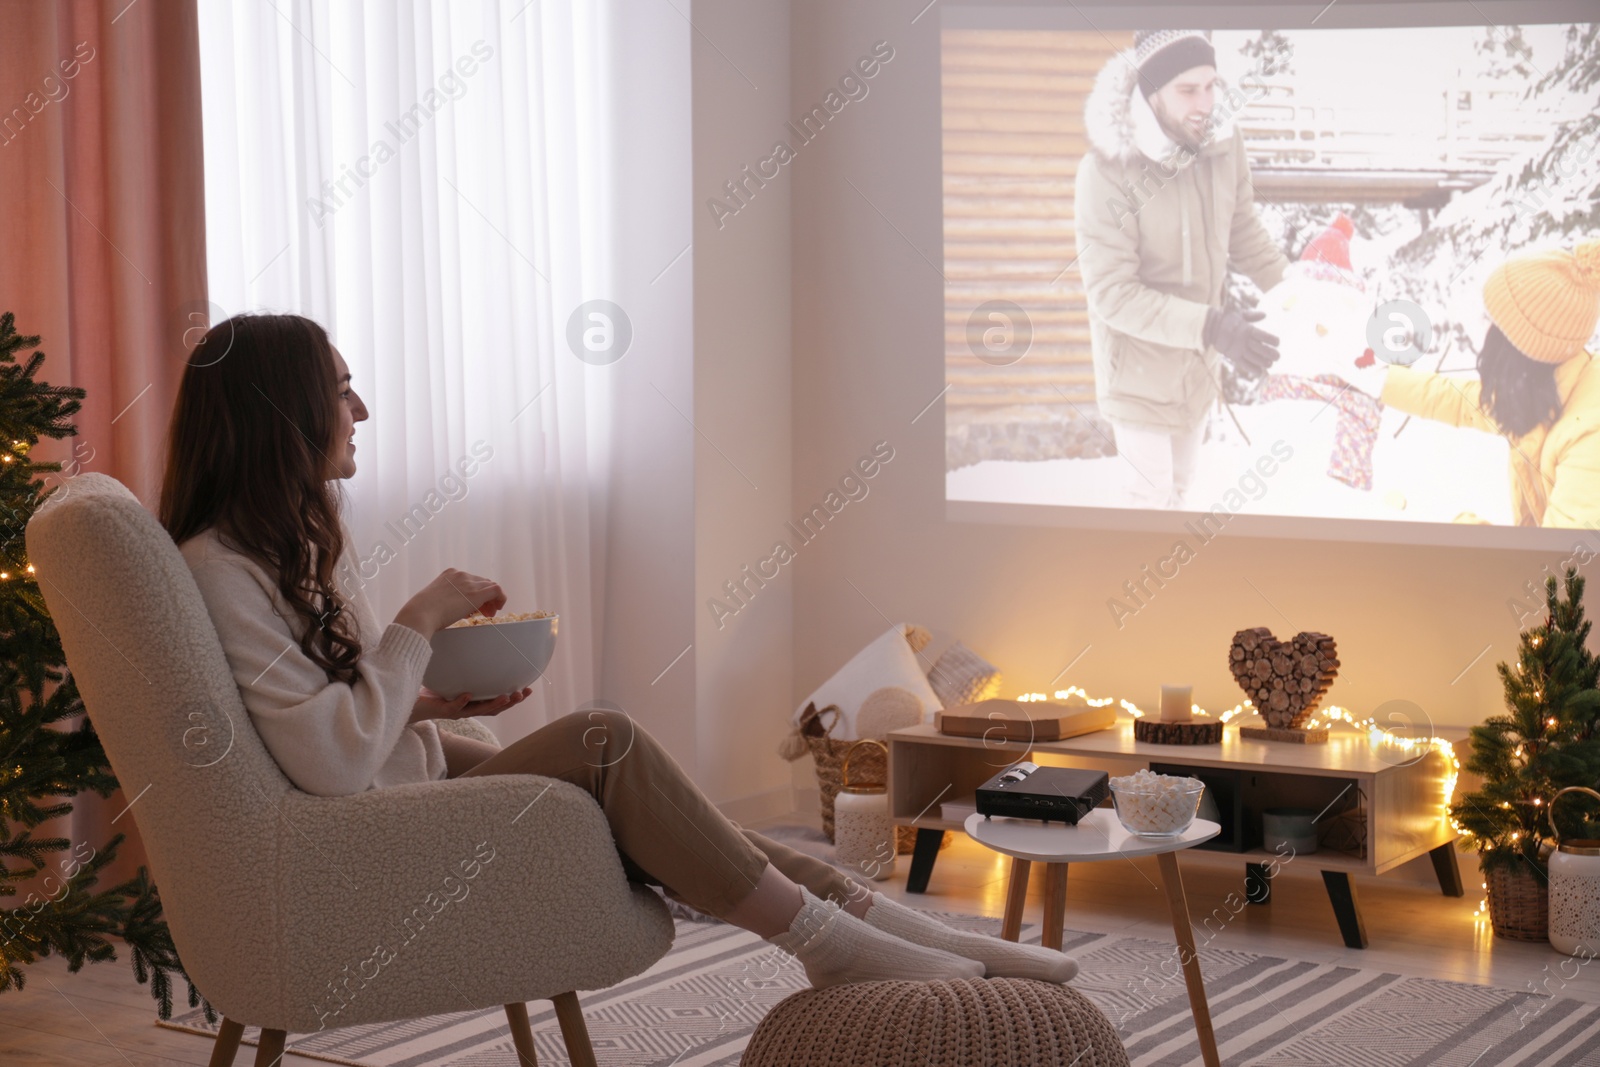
(101, 1017)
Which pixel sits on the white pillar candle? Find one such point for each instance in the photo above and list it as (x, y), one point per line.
(1175, 701)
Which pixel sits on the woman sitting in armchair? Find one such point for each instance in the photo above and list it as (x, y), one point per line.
(259, 442)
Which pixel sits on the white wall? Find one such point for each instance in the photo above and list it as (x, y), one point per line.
(703, 432)
(867, 358)
(809, 261)
(649, 539)
(743, 452)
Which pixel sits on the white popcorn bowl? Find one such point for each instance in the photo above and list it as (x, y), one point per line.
(490, 659)
(1138, 809)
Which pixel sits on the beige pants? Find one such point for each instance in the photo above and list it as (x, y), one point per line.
(666, 830)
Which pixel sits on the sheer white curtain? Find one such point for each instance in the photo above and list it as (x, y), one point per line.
(427, 180)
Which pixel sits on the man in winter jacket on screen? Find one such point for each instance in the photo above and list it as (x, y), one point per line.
(1163, 207)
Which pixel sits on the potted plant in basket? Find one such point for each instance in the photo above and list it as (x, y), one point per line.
(1548, 738)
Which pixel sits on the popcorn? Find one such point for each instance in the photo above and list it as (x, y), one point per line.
(483, 620)
(1149, 803)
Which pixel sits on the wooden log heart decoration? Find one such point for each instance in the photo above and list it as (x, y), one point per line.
(1285, 680)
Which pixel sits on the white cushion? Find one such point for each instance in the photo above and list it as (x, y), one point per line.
(886, 661)
(889, 708)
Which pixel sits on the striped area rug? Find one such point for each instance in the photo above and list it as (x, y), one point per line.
(698, 1005)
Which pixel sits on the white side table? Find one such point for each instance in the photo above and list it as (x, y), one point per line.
(1098, 836)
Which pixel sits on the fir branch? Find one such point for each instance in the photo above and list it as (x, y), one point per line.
(1549, 740)
(155, 957)
(49, 751)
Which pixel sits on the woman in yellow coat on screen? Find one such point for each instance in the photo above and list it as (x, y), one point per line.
(1537, 385)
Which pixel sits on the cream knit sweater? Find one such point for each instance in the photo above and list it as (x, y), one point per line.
(329, 738)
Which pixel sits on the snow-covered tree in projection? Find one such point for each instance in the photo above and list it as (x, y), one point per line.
(1548, 194)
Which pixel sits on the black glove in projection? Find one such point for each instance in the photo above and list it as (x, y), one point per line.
(1248, 347)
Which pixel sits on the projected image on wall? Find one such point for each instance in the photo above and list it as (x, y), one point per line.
(1328, 273)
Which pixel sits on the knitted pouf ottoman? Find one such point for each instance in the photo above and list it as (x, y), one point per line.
(968, 1022)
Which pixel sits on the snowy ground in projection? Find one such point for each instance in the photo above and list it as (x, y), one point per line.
(1430, 473)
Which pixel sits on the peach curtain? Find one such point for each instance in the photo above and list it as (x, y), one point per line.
(104, 248)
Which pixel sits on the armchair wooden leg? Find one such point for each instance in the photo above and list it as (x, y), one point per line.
(573, 1030)
(521, 1034)
(227, 1045)
(269, 1050)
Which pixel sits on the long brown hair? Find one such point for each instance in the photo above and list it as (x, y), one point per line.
(247, 453)
(1519, 393)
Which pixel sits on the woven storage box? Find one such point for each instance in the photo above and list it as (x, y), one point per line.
(969, 1022)
(1519, 904)
(905, 840)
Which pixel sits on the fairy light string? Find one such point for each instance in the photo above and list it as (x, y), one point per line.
(19, 449)
(1329, 716)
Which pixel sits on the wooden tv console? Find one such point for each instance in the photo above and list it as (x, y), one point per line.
(1398, 795)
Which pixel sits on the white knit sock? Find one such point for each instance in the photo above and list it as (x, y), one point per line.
(835, 947)
(999, 958)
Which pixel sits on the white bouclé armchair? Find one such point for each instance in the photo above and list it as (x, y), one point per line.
(295, 912)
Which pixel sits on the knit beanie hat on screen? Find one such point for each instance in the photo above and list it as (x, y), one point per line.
(1547, 303)
(1327, 255)
(1162, 55)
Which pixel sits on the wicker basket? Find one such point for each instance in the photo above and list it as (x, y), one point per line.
(828, 755)
(870, 765)
(1519, 904)
(905, 840)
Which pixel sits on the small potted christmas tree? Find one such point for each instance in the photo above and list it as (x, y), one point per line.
(45, 761)
(1548, 738)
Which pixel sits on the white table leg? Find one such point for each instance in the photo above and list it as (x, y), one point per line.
(1184, 932)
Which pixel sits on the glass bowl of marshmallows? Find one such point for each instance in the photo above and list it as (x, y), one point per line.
(1156, 805)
